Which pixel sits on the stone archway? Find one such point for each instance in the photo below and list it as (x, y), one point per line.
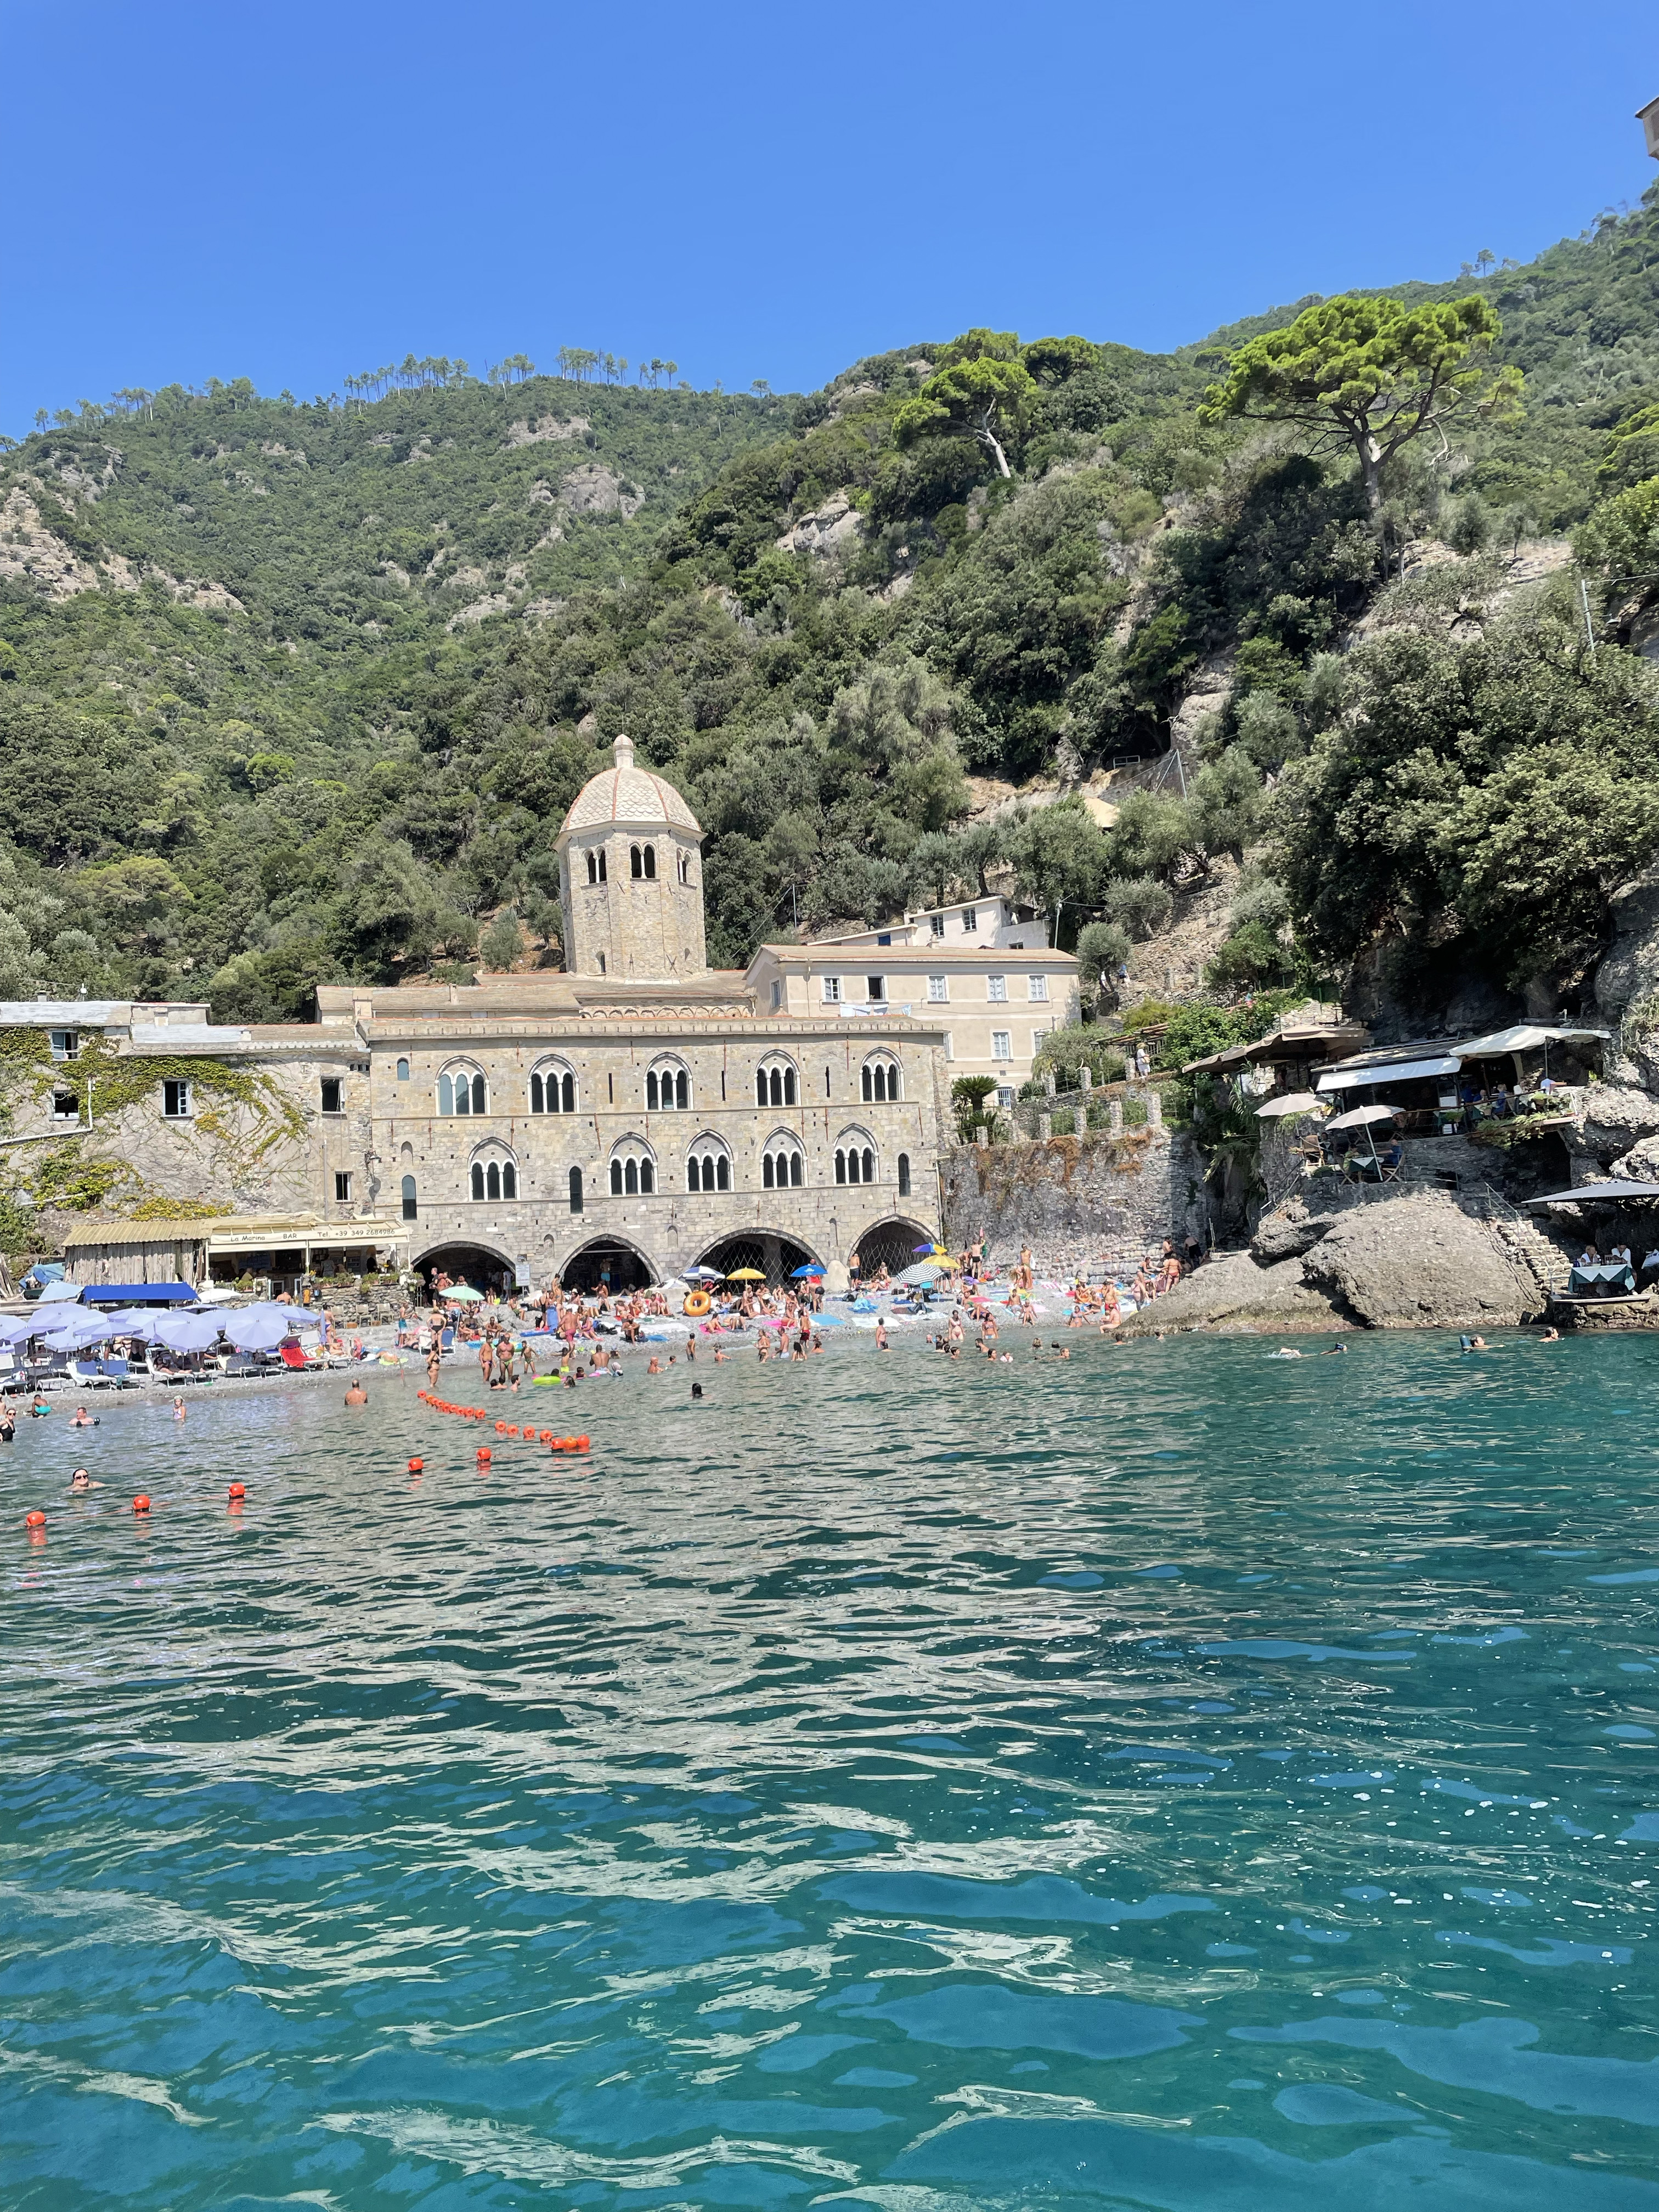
(606, 1263)
(891, 1244)
(485, 1266)
(775, 1255)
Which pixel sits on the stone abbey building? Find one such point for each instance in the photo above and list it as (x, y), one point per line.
(623, 1119)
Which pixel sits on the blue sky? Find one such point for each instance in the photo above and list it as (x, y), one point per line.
(296, 194)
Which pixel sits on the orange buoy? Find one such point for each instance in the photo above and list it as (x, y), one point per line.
(35, 1520)
(501, 1428)
(415, 1465)
(484, 1453)
(544, 1436)
(581, 1444)
(238, 1490)
(511, 1428)
(141, 1503)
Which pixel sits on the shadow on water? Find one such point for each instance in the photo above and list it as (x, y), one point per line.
(1171, 1778)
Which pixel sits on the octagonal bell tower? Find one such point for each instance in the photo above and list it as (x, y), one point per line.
(630, 877)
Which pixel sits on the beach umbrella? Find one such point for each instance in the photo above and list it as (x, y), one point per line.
(925, 1271)
(813, 1268)
(1280, 1109)
(745, 1275)
(134, 1321)
(465, 1293)
(257, 1331)
(1361, 1117)
(193, 1332)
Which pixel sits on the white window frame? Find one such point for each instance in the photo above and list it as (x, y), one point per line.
(832, 990)
(1036, 987)
(875, 990)
(178, 1086)
(938, 990)
(1002, 1044)
(969, 919)
(936, 927)
(342, 1175)
(996, 990)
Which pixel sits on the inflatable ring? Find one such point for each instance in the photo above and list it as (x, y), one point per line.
(698, 1303)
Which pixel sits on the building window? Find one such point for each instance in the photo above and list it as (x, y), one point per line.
(708, 1171)
(478, 1180)
(632, 1178)
(462, 1094)
(596, 872)
(969, 919)
(880, 1081)
(403, 1070)
(869, 1167)
(65, 1106)
(175, 1100)
(636, 866)
(777, 996)
(411, 1207)
(936, 924)
(875, 989)
(938, 990)
(832, 990)
(774, 1087)
(781, 1171)
(1036, 987)
(1001, 1044)
(551, 1093)
(651, 864)
(342, 1189)
(65, 1044)
(904, 1175)
(332, 1090)
(684, 867)
(996, 989)
(667, 1091)
(575, 1190)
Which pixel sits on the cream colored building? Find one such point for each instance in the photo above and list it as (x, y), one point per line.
(624, 1120)
(981, 971)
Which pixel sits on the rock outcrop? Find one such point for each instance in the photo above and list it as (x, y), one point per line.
(1421, 1263)
(830, 530)
(1616, 1116)
(1233, 1293)
(1409, 1262)
(1627, 982)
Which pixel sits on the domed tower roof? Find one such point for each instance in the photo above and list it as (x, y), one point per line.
(629, 796)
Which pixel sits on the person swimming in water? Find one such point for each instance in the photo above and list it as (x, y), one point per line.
(355, 1394)
(81, 1481)
(83, 1419)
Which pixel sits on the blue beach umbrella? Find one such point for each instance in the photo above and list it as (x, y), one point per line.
(795, 1274)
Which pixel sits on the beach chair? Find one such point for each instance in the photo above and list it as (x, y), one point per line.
(292, 1356)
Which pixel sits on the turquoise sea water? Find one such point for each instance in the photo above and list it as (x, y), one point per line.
(1171, 1779)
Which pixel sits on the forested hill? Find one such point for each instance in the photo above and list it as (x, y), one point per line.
(300, 692)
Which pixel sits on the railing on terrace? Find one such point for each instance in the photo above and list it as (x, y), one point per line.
(1112, 1108)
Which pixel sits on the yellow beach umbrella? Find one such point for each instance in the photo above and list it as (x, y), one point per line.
(745, 1275)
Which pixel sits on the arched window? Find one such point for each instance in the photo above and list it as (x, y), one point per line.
(684, 867)
(869, 1167)
(615, 1178)
(633, 1171)
(477, 1179)
(904, 1175)
(596, 870)
(403, 1070)
(575, 1190)
(411, 1208)
(841, 1166)
(782, 1169)
(636, 863)
(768, 1179)
(552, 1091)
(667, 1090)
(879, 1080)
(462, 1092)
(708, 1166)
(776, 1086)
(651, 864)
(493, 1180)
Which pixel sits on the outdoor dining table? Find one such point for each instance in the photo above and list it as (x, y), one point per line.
(1607, 1271)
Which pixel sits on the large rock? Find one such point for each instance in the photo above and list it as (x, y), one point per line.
(1616, 1117)
(1627, 980)
(1288, 1233)
(1421, 1263)
(1233, 1293)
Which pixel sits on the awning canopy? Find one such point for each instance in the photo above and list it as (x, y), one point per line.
(1648, 1192)
(1387, 1071)
(1526, 1036)
(137, 1294)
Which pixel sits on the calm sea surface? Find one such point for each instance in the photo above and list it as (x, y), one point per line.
(1173, 1778)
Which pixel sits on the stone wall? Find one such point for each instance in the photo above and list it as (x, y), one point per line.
(1079, 1202)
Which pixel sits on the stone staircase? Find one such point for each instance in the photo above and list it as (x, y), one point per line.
(1543, 1254)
